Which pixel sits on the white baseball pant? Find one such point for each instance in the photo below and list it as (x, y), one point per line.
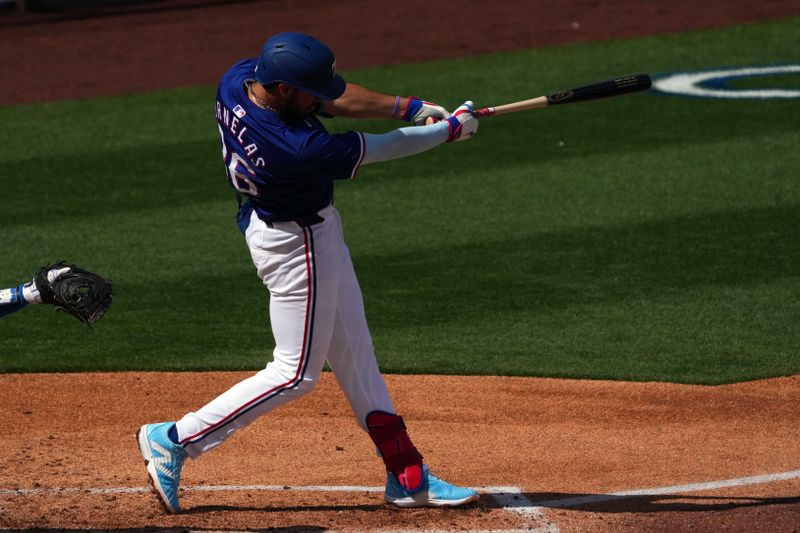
(317, 313)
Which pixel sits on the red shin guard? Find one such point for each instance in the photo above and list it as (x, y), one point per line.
(388, 432)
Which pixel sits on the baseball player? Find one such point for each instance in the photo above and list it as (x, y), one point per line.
(283, 163)
(81, 293)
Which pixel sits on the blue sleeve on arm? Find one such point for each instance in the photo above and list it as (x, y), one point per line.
(11, 300)
(403, 142)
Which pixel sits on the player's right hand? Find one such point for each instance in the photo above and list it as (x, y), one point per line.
(463, 124)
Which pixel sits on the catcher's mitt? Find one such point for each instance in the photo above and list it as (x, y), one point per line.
(81, 293)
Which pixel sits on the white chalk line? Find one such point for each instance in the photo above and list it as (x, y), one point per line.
(222, 488)
(536, 510)
(674, 489)
(511, 498)
(514, 501)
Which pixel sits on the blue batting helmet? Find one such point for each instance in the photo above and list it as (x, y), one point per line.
(301, 61)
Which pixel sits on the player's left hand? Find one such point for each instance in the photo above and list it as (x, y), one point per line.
(418, 111)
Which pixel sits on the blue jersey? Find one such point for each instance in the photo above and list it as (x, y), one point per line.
(285, 169)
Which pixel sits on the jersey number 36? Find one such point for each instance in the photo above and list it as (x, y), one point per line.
(239, 171)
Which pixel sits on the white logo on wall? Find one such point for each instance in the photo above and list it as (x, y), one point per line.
(715, 83)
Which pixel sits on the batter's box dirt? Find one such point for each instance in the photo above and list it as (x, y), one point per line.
(556, 440)
(247, 510)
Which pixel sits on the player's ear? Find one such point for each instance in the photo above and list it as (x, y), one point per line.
(286, 91)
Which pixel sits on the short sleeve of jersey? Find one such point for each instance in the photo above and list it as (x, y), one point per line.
(336, 156)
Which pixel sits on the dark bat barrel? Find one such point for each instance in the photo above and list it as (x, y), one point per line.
(603, 89)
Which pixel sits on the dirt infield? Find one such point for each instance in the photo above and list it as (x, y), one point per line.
(70, 461)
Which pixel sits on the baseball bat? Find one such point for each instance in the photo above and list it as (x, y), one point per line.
(603, 89)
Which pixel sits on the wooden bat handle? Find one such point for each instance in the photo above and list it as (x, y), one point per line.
(533, 103)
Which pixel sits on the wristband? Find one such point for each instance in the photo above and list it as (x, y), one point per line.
(455, 128)
(396, 106)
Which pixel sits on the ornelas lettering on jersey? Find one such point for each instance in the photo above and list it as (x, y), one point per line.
(230, 119)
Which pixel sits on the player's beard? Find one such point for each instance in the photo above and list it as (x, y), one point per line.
(292, 110)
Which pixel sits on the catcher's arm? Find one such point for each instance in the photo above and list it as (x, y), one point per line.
(17, 298)
(79, 292)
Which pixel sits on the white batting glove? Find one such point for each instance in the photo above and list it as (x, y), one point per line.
(463, 124)
(419, 111)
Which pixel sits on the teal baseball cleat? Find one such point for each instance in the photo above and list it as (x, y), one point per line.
(433, 493)
(164, 460)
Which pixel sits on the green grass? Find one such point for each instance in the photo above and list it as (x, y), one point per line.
(645, 238)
